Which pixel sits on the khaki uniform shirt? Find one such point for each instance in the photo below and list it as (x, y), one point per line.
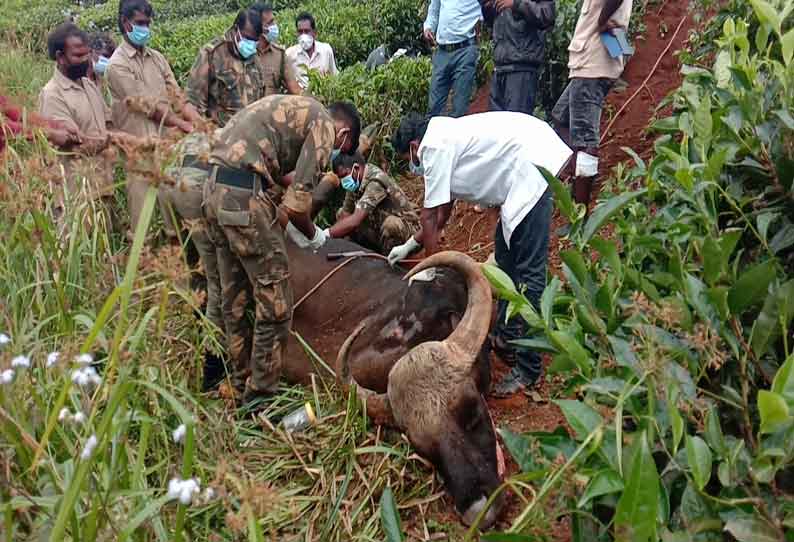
(381, 197)
(79, 105)
(144, 77)
(221, 82)
(275, 136)
(589, 58)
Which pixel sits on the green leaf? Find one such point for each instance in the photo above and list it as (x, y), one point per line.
(752, 530)
(519, 448)
(785, 116)
(778, 310)
(713, 261)
(767, 14)
(507, 537)
(699, 457)
(576, 263)
(390, 517)
(501, 282)
(562, 195)
(783, 384)
(547, 300)
(773, 410)
(704, 125)
(722, 68)
(676, 423)
(609, 251)
(603, 482)
(714, 435)
(635, 516)
(567, 343)
(752, 286)
(605, 210)
(581, 417)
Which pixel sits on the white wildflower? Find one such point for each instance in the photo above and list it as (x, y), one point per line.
(87, 376)
(79, 417)
(88, 448)
(20, 361)
(84, 359)
(64, 415)
(179, 433)
(7, 376)
(4, 339)
(52, 358)
(208, 495)
(184, 490)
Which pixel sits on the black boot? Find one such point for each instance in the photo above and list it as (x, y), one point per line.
(214, 371)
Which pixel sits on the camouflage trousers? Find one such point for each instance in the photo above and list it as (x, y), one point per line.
(252, 261)
(392, 232)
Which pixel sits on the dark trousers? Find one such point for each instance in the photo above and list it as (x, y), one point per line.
(456, 71)
(525, 263)
(514, 91)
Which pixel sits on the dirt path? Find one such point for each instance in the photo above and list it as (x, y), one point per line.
(472, 232)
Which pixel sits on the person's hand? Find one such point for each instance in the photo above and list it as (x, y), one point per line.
(502, 5)
(185, 126)
(297, 237)
(608, 26)
(319, 239)
(428, 34)
(287, 179)
(401, 252)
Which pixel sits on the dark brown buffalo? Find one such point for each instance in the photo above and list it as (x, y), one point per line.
(449, 317)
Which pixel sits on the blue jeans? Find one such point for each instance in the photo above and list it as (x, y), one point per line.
(454, 71)
(525, 263)
(514, 91)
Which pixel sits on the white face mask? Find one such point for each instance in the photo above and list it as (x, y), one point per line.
(306, 41)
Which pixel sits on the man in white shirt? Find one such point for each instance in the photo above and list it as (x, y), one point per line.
(490, 159)
(310, 53)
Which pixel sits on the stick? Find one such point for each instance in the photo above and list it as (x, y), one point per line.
(637, 93)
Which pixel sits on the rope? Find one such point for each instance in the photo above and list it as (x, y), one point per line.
(644, 83)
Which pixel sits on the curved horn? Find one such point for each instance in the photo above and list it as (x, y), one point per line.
(473, 328)
(378, 407)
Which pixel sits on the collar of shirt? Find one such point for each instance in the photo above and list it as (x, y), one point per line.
(130, 50)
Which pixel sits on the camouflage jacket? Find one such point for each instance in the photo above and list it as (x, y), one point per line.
(184, 197)
(275, 136)
(381, 197)
(221, 83)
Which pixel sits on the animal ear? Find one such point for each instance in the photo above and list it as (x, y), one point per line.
(467, 411)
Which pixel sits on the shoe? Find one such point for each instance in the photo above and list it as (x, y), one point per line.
(214, 372)
(504, 352)
(512, 383)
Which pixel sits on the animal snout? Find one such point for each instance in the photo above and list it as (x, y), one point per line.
(471, 515)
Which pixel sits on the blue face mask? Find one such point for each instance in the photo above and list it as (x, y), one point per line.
(349, 183)
(246, 47)
(272, 33)
(139, 35)
(101, 65)
(335, 154)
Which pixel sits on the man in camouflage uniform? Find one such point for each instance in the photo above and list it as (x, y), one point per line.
(230, 73)
(282, 141)
(376, 212)
(182, 209)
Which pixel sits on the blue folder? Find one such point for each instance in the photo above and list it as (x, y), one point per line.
(617, 43)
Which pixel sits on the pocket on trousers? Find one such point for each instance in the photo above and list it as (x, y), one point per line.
(274, 299)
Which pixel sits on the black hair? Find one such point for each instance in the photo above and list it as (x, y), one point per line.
(347, 161)
(101, 41)
(306, 16)
(412, 127)
(56, 41)
(127, 9)
(348, 112)
(262, 7)
(249, 16)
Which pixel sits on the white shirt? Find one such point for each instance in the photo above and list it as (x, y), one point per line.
(490, 159)
(322, 60)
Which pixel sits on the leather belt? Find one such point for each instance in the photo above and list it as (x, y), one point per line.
(237, 178)
(194, 161)
(450, 47)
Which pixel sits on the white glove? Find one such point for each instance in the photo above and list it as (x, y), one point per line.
(297, 237)
(403, 251)
(428, 275)
(319, 239)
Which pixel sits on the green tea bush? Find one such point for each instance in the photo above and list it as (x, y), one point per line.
(674, 331)
(29, 22)
(103, 16)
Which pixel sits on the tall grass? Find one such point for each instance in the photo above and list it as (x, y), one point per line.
(69, 287)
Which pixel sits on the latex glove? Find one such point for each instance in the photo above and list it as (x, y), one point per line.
(428, 275)
(297, 237)
(403, 251)
(319, 239)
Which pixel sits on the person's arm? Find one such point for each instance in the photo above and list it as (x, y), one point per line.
(609, 9)
(541, 14)
(431, 22)
(333, 70)
(433, 221)
(198, 83)
(124, 84)
(322, 193)
(63, 131)
(290, 80)
(348, 224)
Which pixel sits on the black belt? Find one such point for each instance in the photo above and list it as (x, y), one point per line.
(238, 178)
(194, 161)
(450, 47)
